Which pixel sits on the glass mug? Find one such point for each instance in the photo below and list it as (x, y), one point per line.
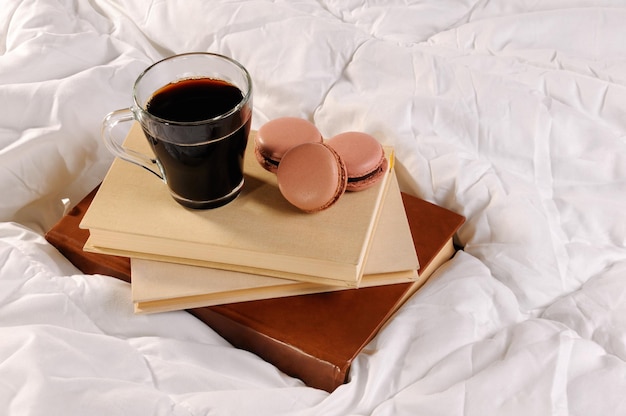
(195, 110)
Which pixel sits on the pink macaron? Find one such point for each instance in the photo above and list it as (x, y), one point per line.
(363, 156)
(312, 176)
(277, 136)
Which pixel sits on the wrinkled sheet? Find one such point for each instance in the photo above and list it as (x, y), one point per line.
(512, 113)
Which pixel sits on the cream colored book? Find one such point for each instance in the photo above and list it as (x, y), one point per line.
(133, 215)
(160, 286)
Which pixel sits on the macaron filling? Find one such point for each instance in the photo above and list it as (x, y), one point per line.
(266, 159)
(364, 158)
(368, 176)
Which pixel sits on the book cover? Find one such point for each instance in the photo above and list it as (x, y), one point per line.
(133, 215)
(312, 337)
(160, 286)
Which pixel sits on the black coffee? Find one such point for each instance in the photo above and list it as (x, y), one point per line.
(202, 161)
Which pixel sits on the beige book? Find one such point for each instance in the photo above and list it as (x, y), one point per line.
(133, 215)
(159, 286)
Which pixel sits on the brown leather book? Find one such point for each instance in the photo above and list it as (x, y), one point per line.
(313, 337)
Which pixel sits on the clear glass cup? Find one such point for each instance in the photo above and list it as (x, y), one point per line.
(195, 110)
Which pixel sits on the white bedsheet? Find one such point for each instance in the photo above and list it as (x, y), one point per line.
(512, 113)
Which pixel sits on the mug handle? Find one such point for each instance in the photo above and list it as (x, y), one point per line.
(110, 121)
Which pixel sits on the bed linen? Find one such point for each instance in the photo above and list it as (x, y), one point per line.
(511, 113)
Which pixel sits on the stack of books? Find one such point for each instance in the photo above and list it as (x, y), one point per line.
(257, 245)
(305, 292)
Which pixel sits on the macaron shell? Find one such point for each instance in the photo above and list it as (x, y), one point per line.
(312, 177)
(364, 158)
(277, 136)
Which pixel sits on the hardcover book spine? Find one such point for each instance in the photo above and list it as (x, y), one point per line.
(314, 371)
